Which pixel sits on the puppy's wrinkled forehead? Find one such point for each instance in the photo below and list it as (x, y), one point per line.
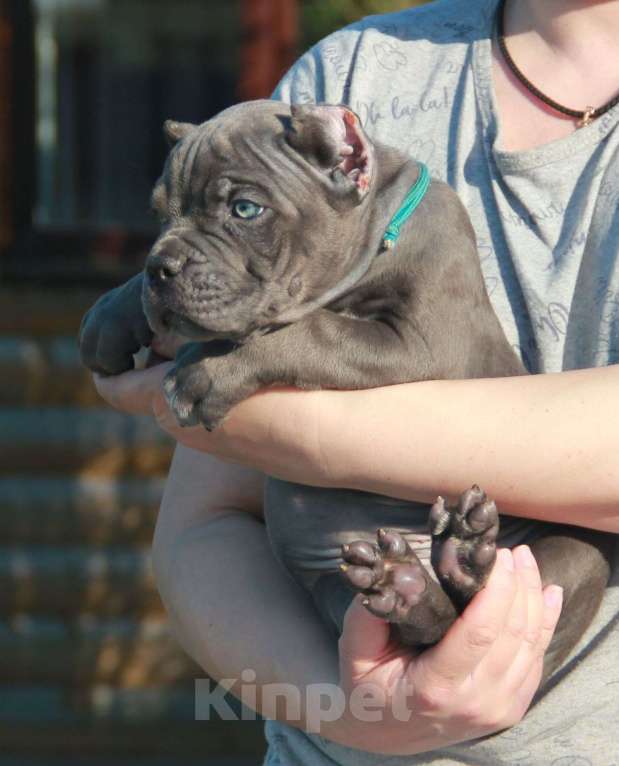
(237, 129)
(241, 139)
(286, 152)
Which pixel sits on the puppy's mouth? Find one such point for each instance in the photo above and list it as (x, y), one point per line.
(224, 317)
(166, 319)
(182, 325)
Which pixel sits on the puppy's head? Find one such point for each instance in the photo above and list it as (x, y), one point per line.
(261, 213)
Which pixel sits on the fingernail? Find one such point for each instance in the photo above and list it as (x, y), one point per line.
(504, 556)
(553, 596)
(523, 556)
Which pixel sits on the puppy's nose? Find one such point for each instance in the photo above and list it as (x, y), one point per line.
(163, 266)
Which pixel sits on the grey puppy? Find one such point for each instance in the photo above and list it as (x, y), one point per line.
(272, 261)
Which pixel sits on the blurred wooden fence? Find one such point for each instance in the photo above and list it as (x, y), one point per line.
(87, 665)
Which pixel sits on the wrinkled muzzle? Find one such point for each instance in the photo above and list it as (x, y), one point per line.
(190, 293)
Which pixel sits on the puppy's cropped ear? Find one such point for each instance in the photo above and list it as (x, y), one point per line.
(175, 131)
(331, 138)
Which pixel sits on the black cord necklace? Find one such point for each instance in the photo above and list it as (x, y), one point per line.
(584, 117)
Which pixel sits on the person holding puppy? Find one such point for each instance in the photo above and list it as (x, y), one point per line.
(507, 102)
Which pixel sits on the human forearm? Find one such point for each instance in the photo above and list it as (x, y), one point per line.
(543, 446)
(230, 604)
(233, 608)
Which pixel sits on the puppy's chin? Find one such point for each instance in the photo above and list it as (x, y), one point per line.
(172, 327)
(187, 328)
(180, 329)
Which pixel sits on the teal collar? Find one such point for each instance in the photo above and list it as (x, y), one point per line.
(407, 208)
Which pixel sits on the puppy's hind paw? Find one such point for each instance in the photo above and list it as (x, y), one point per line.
(464, 543)
(388, 573)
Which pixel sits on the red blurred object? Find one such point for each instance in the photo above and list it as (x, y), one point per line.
(270, 30)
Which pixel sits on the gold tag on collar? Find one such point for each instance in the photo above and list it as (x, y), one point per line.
(588, 115)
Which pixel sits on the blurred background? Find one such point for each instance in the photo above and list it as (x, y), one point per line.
(88, 672)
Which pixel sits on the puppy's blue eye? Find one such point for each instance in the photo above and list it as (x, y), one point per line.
(245, 208)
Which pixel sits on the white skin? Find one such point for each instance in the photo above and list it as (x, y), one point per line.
(557, 463)
(567, 49)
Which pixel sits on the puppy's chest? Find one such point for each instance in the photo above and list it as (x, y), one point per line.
(308, 525)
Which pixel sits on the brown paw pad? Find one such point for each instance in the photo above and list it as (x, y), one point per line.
(464, 542)
(388, 572)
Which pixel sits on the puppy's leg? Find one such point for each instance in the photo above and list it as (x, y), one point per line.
(579, 561)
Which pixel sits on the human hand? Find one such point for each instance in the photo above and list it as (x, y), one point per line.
(479, 679)
(263, 431)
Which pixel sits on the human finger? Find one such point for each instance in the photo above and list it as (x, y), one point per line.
(364, 641)
(524, 693)
(133, 391)
(477, 629)
(509, 657)
(530, 647)
(553, 604)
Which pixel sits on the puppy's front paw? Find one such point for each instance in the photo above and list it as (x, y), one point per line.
(193, 397)
(185, 389)
(114, 329)
(201, 389)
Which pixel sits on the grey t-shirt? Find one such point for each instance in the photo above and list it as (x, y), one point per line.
(548, 235)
